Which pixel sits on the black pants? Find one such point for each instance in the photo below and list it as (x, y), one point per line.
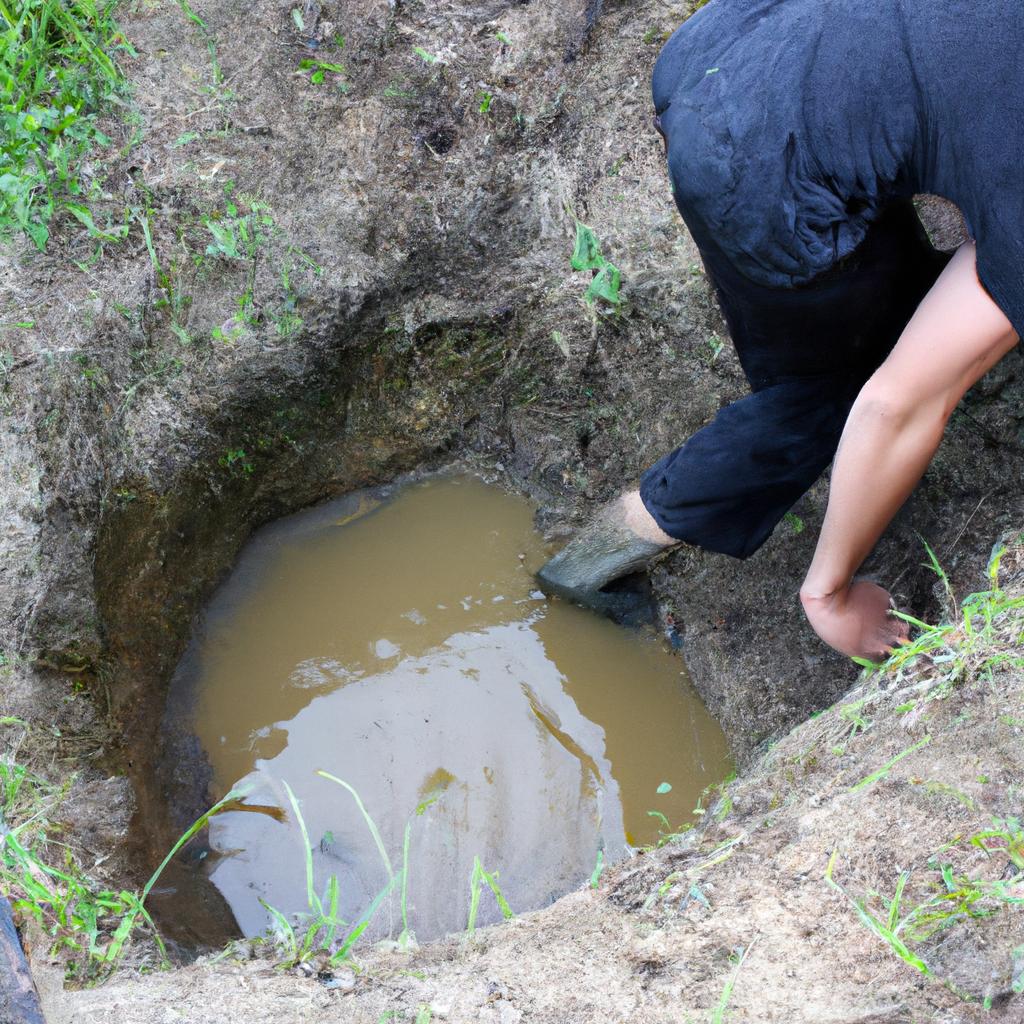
(806, 352)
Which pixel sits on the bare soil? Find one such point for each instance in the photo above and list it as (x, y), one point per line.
(146, 430)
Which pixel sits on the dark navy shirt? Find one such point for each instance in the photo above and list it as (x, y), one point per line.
(791, 124)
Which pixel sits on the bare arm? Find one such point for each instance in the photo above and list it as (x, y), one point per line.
(894, 428)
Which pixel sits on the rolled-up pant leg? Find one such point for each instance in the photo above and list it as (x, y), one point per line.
(730, 484)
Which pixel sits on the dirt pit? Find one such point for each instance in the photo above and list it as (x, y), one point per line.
(395, 640)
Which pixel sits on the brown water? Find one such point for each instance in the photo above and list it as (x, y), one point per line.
(402, 646)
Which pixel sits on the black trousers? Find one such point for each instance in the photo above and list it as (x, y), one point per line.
(806, 353)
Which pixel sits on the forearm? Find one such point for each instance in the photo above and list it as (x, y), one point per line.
(897, 421)
(885, 449)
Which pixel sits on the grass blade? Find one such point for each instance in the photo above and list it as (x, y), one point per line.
(374, 831)
(311, 897)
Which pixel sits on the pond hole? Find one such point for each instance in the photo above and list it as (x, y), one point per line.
(397, 641)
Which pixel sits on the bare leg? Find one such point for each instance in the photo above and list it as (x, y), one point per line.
(641, 522)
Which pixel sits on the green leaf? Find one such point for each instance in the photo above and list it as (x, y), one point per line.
(665, 787)
(300, 24)
(37, 232)
(605, 285)
(587, 253)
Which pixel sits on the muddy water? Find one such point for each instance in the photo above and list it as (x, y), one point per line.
(398, 642)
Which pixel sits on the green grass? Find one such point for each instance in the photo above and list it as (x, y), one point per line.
(952, 897)
(738, 958)
(57, 75)
(89, 926)
(984, 633)
(476, 881)
(313, 934)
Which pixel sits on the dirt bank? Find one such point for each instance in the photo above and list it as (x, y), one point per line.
(894, 781)
(329, 282)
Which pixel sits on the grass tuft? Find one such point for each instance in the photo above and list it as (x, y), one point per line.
(90, 926)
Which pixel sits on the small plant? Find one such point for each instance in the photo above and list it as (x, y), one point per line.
(217, 88)
(171, 297)
(236, 460)
(319, 69)
(45, 883)
(315, 932)
(240, 235)
(984, 634)
(476, 881)
(606, 276)
(1006, 838)
(739, 958)
(955, 898)
(794, 522)
(242, 230)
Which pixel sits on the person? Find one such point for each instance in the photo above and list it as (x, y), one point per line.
(797, 133)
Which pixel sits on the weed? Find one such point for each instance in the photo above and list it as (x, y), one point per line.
(237, 461)
(721, 853)
(218, 86)
(319, 69)
(606, 277)
(739, 958)
(886, 768)
(44, 881)
(476, 880)
(794, 522)
(397, 91)
(171, 298)
(888, 930)
(57, 73)
(314, 932)
(852, 713)
(1007, 838)
(985, 633)
(955, 897)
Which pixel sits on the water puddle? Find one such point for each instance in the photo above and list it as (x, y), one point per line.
(400, 645)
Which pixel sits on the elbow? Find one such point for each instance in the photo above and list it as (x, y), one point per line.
(898, 404)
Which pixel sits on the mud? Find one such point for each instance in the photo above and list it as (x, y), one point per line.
(396, 639)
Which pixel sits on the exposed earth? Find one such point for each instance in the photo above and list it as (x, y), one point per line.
(332, 280)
